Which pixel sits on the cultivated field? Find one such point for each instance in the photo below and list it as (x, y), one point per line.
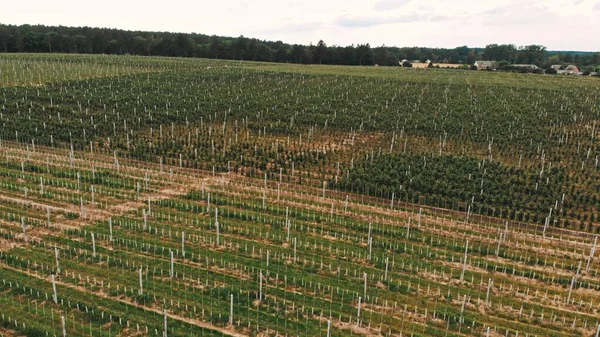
(186, 197)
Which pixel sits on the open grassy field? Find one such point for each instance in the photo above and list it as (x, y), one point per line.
(190, 197)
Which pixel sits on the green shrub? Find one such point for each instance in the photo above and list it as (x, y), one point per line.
(33, 332)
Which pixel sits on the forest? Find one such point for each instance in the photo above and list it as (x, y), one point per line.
(87, 40)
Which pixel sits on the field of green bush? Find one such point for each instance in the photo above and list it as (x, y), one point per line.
(181, 197)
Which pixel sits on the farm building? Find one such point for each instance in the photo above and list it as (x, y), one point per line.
(525, 66)
(483, 65)
(415, 62)
(572, 68)
(569, 70)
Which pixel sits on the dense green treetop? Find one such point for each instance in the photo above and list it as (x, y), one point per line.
(87, 40)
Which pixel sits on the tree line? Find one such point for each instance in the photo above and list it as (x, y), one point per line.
(87, 40)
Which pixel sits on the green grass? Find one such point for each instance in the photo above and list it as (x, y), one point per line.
(37, 70)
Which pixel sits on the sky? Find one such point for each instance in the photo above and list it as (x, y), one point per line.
(556, 24)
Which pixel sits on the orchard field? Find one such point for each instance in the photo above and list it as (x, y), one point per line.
(192, 197)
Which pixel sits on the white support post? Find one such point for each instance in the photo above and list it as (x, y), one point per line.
(172, 270)
(141, 292)
(93, 245)
(387, 262)
(500, 239)
(487, 296)
(260, 284)
(165, 323)
(231, 309)
(365, 285)
(370, 247)
(591, 257)
(217, 225)
(54, 295)
(110, 231)
(287, 222)
(547, 222)
(183, 244)
(369, 241)
(573, 281)
(64, 325)
(145, 216)
(295, 256)
(56, 258)
(346, 204)
(462, 274)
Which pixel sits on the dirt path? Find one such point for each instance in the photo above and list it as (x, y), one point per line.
(7, 333)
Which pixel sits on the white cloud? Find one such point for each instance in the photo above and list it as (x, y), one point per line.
(371, 21)
(386, 5)
(520, 14)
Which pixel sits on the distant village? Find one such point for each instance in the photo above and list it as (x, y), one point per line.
(553, 69)
(559, 69)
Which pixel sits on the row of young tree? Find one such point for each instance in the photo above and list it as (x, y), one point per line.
(86, 40)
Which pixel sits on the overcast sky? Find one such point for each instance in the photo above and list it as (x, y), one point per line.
(557, 24)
